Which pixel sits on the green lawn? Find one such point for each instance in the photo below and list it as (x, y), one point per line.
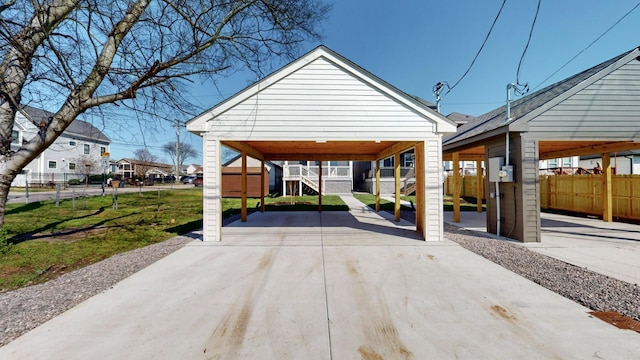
(41, 241)
(370, 201)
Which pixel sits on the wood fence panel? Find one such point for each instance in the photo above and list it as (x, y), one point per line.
(576, 193)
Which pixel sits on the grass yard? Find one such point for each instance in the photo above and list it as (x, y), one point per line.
(41, 241)
(231, 206)
(370, 201)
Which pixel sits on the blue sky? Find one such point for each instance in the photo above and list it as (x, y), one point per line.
(414, 44)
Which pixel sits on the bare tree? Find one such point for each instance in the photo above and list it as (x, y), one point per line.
(86, 165)
(145, 162)
(77, 57)
(186, 152)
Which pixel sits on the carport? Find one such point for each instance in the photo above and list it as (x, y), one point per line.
(323, 107)
(594, 112)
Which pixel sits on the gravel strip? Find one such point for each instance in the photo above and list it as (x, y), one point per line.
(593, 290)
(596, 291)
(24, 309)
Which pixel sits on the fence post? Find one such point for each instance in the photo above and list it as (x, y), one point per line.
(57, 195)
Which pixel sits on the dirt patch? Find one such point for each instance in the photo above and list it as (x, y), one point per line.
(70, 235)
(618, 320)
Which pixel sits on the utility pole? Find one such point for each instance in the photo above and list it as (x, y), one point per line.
(178, 172)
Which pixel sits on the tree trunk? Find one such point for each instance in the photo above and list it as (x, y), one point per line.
(5, 185)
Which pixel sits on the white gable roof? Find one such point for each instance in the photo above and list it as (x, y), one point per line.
(322, 96)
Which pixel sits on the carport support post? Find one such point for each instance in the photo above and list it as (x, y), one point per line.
(479, 186)
(607, 199)
(378, 185)
(243, 188)
(262, 186)
(456, 187)
(420, 192)
(319, 186)
(396, 165)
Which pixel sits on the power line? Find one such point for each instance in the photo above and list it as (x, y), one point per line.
(479, 50)
(524, 52)
(588, 46)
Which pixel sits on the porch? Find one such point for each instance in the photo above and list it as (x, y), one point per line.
(302, 177)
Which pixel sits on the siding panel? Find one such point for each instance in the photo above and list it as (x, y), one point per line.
(607, 109)
(321, 100)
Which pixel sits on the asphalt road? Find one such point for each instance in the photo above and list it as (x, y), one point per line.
(20, 196)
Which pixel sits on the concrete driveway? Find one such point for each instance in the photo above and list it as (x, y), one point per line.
(331, 285)
(609, 248)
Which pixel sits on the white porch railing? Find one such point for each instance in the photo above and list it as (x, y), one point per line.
(308, 174)
(297, 171)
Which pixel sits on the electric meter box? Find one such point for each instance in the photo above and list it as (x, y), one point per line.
(495, 166)
(498, 171)
(506, 174)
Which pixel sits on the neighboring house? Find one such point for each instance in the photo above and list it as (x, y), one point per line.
(137, 169)
(193, 169)
(301, 177)
(274, 173)
(565, 165)
(76, 152)
(365, 177)
(622, 162)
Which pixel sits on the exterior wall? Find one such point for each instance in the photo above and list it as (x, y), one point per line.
(63, 154)
(334, 187)
(519, 201)
(433, 222)
(212, 192)
(232, 182)
(607, 109)
(338, 100)
(274, 171)
(387, 185)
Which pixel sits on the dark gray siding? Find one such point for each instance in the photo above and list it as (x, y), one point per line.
(608, 109)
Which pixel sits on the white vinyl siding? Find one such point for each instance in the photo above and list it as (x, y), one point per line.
(321, 101)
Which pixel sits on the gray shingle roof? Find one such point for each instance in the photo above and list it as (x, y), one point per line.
(525, 105)
(77, 127)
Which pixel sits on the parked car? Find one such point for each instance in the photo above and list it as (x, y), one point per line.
(188, 179)
(198, 181)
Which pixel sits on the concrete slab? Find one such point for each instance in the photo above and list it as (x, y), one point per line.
(336, 290)
(612, 249)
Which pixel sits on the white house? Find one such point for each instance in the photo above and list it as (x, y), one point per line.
(323, 107)
(77, 151)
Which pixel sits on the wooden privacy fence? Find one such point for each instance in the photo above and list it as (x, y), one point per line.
(575, 193)
(467, 186)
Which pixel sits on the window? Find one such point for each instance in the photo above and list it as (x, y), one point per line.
(566, 162)
(72, 143)
(72, 166)
(52, 164)
(408, 159)
(388, 162)
(102, 150)
(15, 137)
(87, 148)
(552, 163)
